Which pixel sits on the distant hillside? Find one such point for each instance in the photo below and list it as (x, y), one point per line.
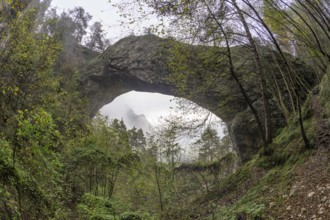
(139, 121)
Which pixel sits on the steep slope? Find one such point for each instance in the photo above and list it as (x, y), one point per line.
(285, 181)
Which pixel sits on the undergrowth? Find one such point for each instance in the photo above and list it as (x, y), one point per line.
(275, 165)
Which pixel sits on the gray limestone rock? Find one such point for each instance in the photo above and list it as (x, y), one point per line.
(140, 63)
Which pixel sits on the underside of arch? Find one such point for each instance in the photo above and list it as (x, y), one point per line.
(140, 63)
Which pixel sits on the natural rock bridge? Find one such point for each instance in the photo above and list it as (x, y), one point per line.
(138, 63)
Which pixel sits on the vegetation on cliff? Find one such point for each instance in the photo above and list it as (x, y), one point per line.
(58, 163)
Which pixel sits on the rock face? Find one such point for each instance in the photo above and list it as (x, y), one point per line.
(133, 63)
(140, 63)
(138, 121)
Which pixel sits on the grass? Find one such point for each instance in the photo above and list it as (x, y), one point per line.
(269, 173)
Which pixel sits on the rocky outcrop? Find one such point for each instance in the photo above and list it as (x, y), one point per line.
(140, 63)
(133, 63)
(138, 121)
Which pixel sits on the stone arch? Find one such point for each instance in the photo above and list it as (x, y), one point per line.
(140, 63)
(137, 63)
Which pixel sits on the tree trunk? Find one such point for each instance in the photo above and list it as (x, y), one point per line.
(157, 175)
(234, 75)
(302, 129)
(262, 76)
(284, 59)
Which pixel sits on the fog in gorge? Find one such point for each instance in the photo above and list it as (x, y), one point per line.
(133, 105)
(143, 109)
(149, 111)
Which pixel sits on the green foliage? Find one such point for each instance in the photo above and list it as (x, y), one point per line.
(25, 191)
(210, 147)
(287, 148)
(57, 164)
(26, 63)
(250, 210)
(135, 216)
(99, 158)
(96, 208)
(199, 70)
(273, 168)
(30, 139)
(37, 128)
(130, 216)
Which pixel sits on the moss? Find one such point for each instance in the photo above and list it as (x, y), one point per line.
(277, 163)
(235, 180)
(253, 204)
(325, 92)
(249, 211)
(288, 147)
